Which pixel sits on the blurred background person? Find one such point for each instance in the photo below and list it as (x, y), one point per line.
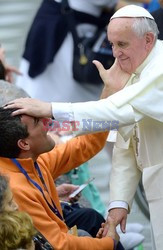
(7, 202)
(47, 59)
(11, 219)
(6, 71)
(16, 231)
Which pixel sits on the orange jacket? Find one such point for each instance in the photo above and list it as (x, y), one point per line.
(52, 164)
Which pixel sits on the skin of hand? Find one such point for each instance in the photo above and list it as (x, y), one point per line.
(9, 73)
(112, 229)
(114, 78)
(111, 226)
(64, 190)
(119, 216)
(9, 70)
(31, 107)
(100, 231)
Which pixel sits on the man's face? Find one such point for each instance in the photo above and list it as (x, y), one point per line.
(38, 139)
(129, 49)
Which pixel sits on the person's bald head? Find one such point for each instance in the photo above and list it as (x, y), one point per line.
(9, 92)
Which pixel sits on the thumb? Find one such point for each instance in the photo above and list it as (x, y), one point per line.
(105, 230)
(99, 66)
(123, 225)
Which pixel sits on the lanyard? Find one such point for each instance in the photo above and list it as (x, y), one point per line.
(53, 208)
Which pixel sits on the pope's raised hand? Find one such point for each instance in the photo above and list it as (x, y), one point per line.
(114, 78)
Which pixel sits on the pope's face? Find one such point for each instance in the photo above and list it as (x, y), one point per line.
(129, 49)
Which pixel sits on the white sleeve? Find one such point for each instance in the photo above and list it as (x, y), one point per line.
(118, 204)
(95, 115)
(62, 111)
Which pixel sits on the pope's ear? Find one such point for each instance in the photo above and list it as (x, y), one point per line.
(23, 144)
(150, 39)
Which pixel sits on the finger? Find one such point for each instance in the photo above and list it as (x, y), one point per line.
(111, 225)
(18, 112)
(9, 78)
(6, 106)
(123, 225)
(13, 69)
(17, 72)
(12, 105)
(74, 187)
(105, 231)
(98, 65)
(99, 234)
(102, 225)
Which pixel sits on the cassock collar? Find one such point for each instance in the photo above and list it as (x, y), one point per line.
(147, 60)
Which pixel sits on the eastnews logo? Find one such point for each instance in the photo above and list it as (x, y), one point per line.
(87, 125)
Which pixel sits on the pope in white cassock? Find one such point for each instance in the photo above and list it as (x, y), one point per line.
(137, 109)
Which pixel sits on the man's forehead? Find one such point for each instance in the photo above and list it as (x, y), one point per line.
(120, 24)
(27, 118)
(120, 20)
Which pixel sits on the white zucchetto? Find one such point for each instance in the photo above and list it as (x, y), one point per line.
(132, 11)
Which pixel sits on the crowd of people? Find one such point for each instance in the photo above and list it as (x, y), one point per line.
(129, 110)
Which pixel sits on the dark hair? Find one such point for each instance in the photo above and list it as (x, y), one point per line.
(3, 187)
(11, 130)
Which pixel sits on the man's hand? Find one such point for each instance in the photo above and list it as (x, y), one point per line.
(112, 229)
(9, 70)
(114, 78)
(64, 190)
(29, 106)
(100, 231)
(111, 226)
(119, 216)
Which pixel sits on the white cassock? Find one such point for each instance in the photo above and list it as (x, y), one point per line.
(138, 111)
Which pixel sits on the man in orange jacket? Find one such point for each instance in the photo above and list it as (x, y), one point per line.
(31, 160)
